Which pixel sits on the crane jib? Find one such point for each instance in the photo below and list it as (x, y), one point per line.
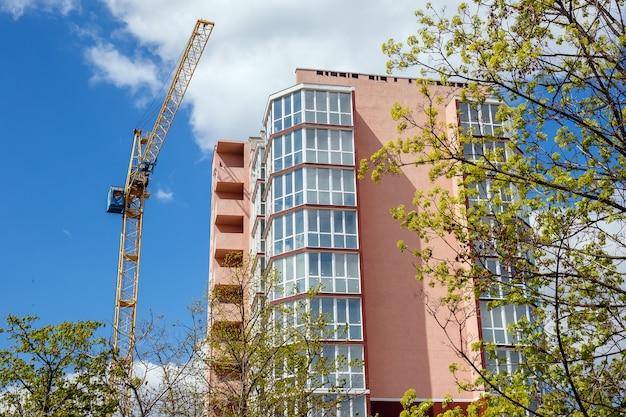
(129, 201)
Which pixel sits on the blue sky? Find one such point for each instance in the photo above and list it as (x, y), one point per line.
(78, 77)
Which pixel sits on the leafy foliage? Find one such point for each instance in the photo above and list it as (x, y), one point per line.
(424, 408)
(55, 371)
(547, 189)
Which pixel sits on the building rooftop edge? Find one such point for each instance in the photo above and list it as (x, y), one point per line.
(371, 76)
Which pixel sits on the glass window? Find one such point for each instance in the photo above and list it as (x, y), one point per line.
(342, 316)
(328, 146)
(333, 102)
(500, 279)
(314, 264)
(287, 234)
(258, 170)
(342, 227)
(350, 366)
(320, 100)
(288, 190)
(496, 199)
(330, 186)
(292, 275)
(348, 407)
(286, 112)
(258, 241)
(287, 150)
(504, 360)
(328, 107)
(277, 151)
(480, 119)
(342, 277)
(258, 202)
(494, 149)
(297, 147)
(297, 102)
(496, 322)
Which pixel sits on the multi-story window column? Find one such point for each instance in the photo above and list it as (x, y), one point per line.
(479, 120)
(311, 235)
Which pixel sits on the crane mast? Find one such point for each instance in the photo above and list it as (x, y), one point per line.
(129, 200)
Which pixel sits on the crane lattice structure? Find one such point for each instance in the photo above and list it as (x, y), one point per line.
(129, 200)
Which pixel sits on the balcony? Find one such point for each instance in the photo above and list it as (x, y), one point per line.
(229, 189)
(226, 313)
(226, 242)
(228, 293)
(221, 276)
(229, 207)
(229, 175)
(227, 330)
(225, 368)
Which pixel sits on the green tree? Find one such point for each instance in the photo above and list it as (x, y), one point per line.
(265, 358)
(548, 202)
(54, 371)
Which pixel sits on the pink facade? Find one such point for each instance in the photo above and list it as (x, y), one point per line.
(404, 347)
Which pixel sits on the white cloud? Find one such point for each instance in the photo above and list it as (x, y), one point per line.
(112, 67)
(256, 47)
(164, 195)
(18, 7)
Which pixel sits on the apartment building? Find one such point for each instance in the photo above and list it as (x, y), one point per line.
(292, 198)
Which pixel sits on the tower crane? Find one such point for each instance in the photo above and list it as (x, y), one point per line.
(129, 200)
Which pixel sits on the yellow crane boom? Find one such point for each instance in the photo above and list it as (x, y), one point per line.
(129, 200)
